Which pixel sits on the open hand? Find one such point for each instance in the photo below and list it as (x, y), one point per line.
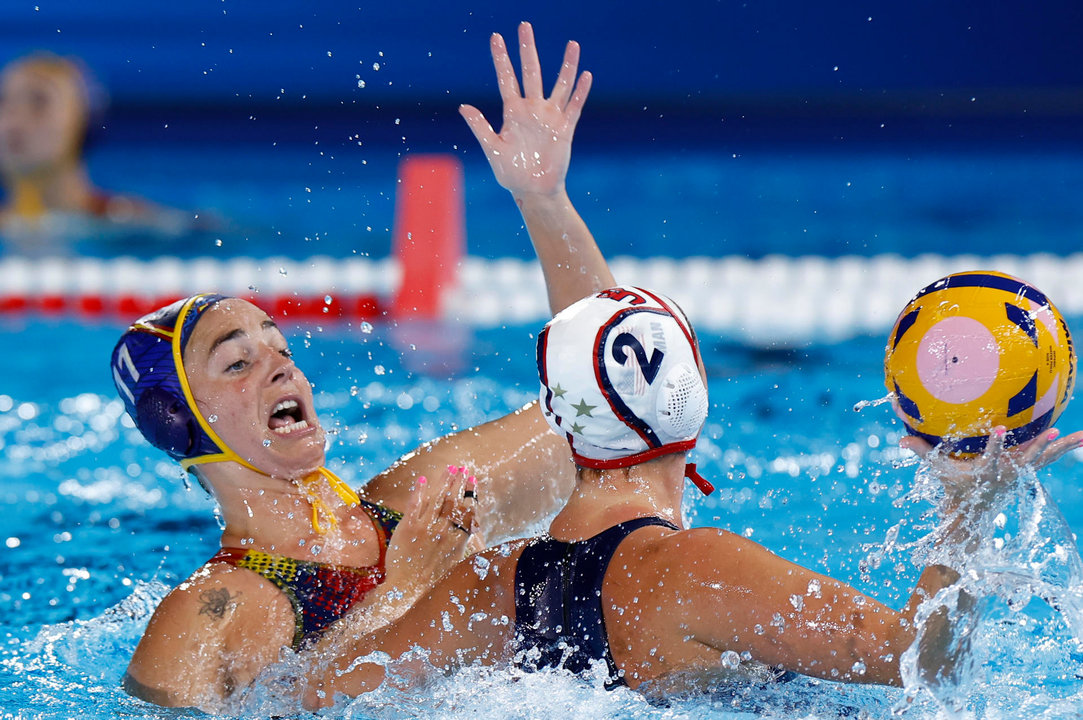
(434, 533)
(997, 467)
(532, 152)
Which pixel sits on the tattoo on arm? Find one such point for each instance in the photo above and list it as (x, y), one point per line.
(214, 603)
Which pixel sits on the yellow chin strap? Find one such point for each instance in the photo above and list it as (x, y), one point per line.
(309, 483)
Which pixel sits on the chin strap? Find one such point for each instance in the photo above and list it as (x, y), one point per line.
(308, 484)
(319, 507)
(698, 480)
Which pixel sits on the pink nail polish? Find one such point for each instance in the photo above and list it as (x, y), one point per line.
(421, 480)
(1000, 432)
(1053, 434)
(452, 469)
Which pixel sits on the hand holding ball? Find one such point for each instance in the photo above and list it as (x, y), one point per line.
(976, 350)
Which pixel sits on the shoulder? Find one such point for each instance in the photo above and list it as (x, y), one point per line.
(211, 602)
(208, 609)
(706, 555)
(184, 654)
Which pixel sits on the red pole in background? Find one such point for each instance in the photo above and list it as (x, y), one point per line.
(429, 233)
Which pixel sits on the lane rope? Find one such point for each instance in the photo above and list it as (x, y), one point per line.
(769, 301)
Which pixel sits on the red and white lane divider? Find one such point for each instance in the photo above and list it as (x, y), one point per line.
(124, 288)
(772, 301)
(776, 300)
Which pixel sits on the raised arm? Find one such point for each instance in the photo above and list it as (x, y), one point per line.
(530, 158)
(524, 471)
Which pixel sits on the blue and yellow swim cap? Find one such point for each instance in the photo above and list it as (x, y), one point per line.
(148, 372)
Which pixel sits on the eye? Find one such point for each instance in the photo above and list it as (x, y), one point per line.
(237, 366)
(286, 352)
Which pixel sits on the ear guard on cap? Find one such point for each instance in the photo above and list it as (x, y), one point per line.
(620, 378)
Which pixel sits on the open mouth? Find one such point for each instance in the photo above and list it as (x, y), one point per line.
(287, 417)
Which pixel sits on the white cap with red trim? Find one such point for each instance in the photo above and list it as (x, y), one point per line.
(620, 378)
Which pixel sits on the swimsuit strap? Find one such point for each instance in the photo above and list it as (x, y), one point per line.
(319, 593)
(558, 598)
(385, 520)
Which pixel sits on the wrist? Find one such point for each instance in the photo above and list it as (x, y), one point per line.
(541, 199)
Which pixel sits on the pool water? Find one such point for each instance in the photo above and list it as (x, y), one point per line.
(98, 526)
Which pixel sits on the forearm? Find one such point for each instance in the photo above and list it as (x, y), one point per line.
(571, 261)
(523, 470)
(941, 632)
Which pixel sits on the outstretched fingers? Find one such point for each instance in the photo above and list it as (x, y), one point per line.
(562, 89)
(478, 125)
(1049, 447)
(505, 72)
(575, 106)
(528, 58)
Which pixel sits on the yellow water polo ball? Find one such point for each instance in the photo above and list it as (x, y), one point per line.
(977, 350)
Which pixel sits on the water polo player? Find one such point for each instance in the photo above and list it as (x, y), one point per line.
(618, 580)
(209, 380)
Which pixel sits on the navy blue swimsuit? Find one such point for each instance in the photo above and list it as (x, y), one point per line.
(558, 600)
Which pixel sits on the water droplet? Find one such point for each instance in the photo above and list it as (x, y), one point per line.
(266, 442)
(481, 566)
(212, 419)
(326, 299)
(731, 660)
(366, 327)
(862, 404)
(282, 271)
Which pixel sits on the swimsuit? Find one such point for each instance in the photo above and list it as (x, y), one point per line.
(320, 593)
(559, 621)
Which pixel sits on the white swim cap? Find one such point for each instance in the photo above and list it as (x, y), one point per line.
(620, 378)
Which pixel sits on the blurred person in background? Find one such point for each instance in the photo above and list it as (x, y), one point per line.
(49, 105)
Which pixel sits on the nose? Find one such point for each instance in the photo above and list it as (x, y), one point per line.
(282, 369)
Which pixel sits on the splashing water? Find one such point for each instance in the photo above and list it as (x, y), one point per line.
(1016, 610)
(862, 404)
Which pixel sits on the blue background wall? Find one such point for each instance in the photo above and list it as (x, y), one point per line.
(774, 57)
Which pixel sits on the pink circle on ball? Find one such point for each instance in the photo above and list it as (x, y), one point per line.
(958, 360)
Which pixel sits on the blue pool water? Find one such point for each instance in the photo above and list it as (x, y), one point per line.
(97, 525)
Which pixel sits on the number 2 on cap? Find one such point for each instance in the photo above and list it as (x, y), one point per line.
(649, 367)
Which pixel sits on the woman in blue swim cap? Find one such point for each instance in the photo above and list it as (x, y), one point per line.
(210, 381)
